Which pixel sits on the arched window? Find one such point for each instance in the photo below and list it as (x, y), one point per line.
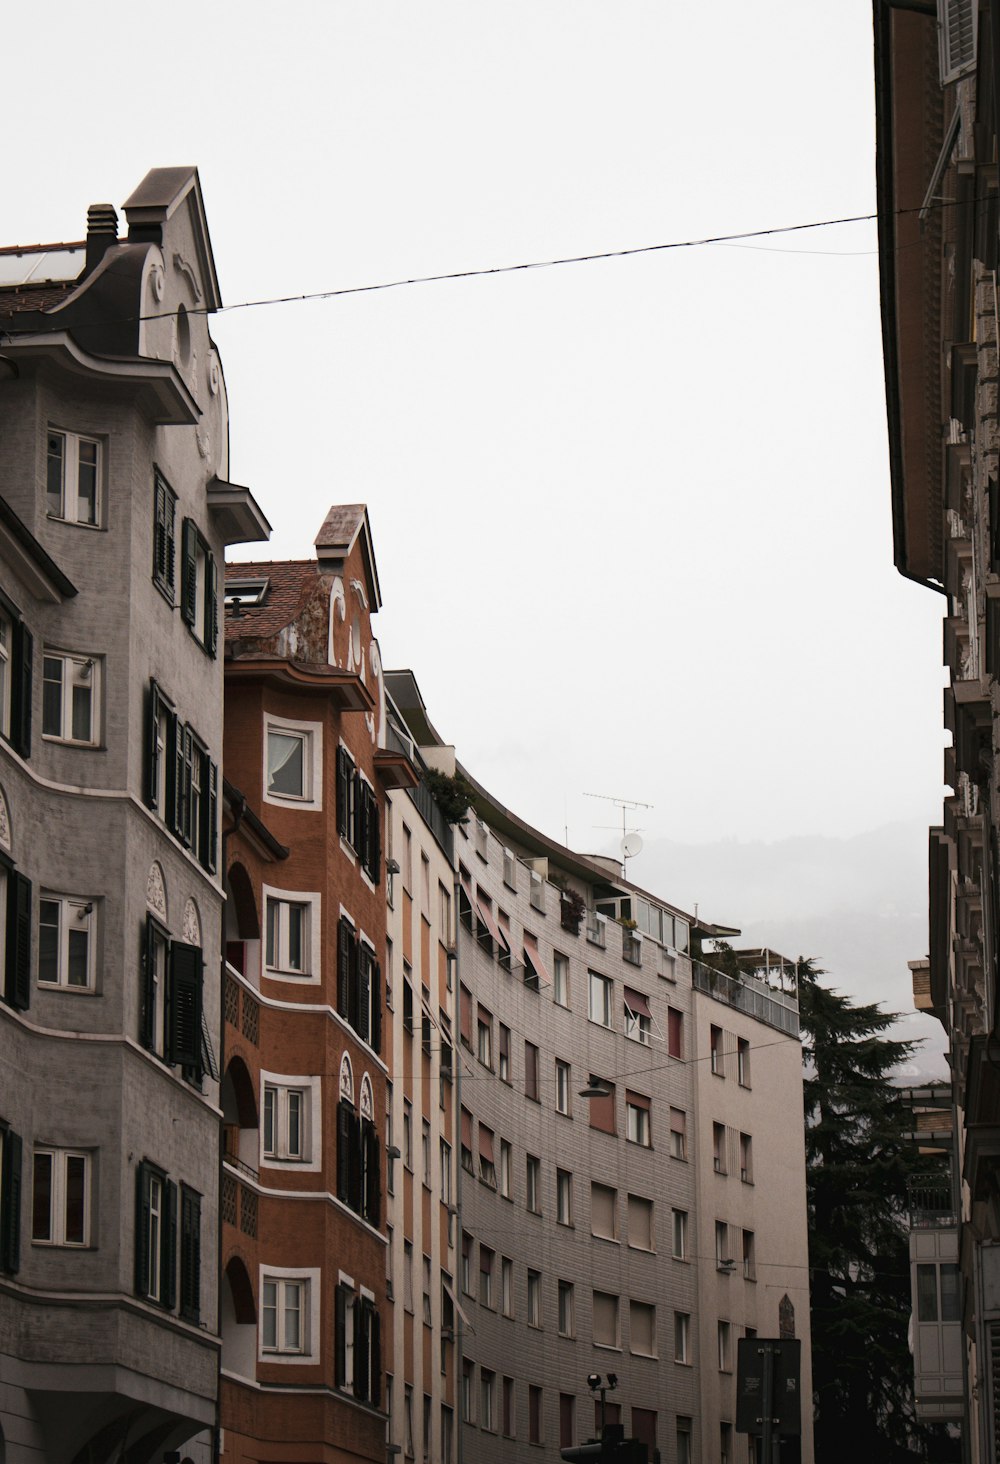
(346, 1080)
(367, 1101)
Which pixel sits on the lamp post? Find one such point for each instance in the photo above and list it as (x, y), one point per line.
(596, 1386)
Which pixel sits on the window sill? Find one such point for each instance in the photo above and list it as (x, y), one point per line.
(66, 989)
(608, 1347)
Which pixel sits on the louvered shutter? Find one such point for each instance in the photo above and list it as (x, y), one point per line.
(147, 986)
(142, 1230)
(345, 938)
(957, 35)
(190, 1254)
(208, 837)
(168, 1246)
(375, 861)
(340, 1335)
(10, 1203)
(184, 1023)
(362, 812)
(373, 1174)
(354, 1163)
(211, 603)
(343, 790)
(153, 703)
(375, 1394)
(352, 982)
(376, 1037)
(362, 1024)
(354, 818)
(18, 973)
(189, 572)
(20, 712)
(159, 529)
(344, 1115)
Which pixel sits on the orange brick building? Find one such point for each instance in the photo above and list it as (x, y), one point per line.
(303, 1249)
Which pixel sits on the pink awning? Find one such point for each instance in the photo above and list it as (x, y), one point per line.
(531, 951)
(486, 916)
(637, 1003)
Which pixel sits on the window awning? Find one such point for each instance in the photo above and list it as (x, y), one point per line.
(486, 916)
(637, 1003)
(637, 1100)
(532, 957)
(458, 1307)
(486, 1143)
(466, 1129)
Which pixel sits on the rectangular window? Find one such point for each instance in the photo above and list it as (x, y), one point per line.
(605, 1319)
(508, 1408)
(155, 1232)
(465, 1137)
(285, 1123)
(678, 1133)
(602, 1108)
(425, 1152)
(408, 1134)
(675, 1032)
(719, 1148)
(603, 1211)
(484, 1039)
(445, 1159)
(71, 698)
(682, 1337)
(725, 1443)
(190, 1254)
(486, 1260)
(640, 1223)
(563, 1078)
(73, 478)
(199, 587)
(505, 1168)
(680, 1235)
(503, 1071)
(601, 994)
(16, 649)
(566, 1322)
(408, 1275)
(467, 1244)
(506, 1286)
(66, 930)
(164, 547)
(288, 937)
(534, 1414)
(287, 758)
(60, 1203)
(749, 1258)
(531, 1071)
(564, 1197)
(746, 1158)
(533, 1186)
(684, 1429)
(715, 1049)
(642, 1329)
(725, 1343)
(534, 1298)
(560, 979)
(743, 1061)
(487, 1161)
(567, 1420)
(283, 1305)
(637, 1119)
(723, 1256)
(487, 1400)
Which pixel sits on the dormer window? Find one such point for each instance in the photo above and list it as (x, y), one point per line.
(242, 594)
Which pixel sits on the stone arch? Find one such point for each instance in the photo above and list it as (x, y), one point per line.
(242, 917)
(238, 1318)
(244, 1306)
(192, 922)
(346, 1079)
(156, 890)
(239, 1101)
(367, 1099)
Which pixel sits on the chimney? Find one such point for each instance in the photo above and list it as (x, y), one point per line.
(102, 233)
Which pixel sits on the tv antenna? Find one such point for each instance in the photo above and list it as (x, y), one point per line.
(631, 840)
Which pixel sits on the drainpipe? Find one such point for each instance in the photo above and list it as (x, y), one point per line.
(457, 1148)
(239, 810)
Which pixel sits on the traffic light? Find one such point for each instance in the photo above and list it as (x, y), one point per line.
(612, 1449)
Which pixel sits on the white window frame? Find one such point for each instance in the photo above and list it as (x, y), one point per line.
(679, 1231)
(534, 1284)
(533, 1184)
(70, 909)
(564, 1074)
(638, 1128)
(505, 1166)
(311, 734)
(69, 486)
(76, 670)
(308, 1278)
(682, 1337)
(600, 998)
(311, 944)
(564, 1197)
(566, 1309)
(506, 1286)
(57, 1196)
(309, 1089)
(560, 979)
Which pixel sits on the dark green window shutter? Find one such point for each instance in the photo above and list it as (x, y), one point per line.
(20, 711)
(344, 1115)
(373, 1173)
(375, 1391)
(375, 840)
(352, 982)
(10, 1202)
(189, 572)
(153, 704)
(164, 552)
(354, 817)
(376, 984)
(340, 1335)
(354, 1164)
(361, 1026)
(142, 1175)
(184, 1005)
(211, 604)
(208, 841)
(187, 751)
(361, 1348)
(168, 1246)
(344, 769)
(345, 940)
(147, 985)
(18, 973)
(190, 1254)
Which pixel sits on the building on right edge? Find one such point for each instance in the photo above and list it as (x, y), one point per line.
(936, 99)
(631, 1180)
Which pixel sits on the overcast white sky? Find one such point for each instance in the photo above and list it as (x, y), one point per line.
(631, 517)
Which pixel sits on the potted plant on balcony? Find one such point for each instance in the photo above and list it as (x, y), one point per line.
(572, 908)
(453, 795)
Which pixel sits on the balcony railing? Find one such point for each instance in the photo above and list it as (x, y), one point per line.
(596, 932)
(930, 1204)
(775, 1008)
(631, 948)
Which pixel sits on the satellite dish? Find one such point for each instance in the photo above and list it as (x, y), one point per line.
(631, 845)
